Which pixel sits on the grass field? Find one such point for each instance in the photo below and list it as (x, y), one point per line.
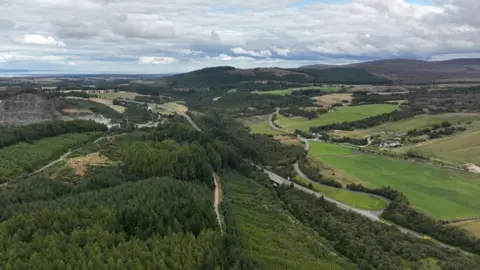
(260, 124)
(109, 103)
(271, 235)
(288, 91)
(439, 192)
(461, 148)
(338, 115)
(355, 199)
(176, 106)
(418, 122)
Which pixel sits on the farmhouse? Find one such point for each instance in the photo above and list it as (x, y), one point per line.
(390, 144)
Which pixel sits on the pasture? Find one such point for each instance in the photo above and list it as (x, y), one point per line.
(417, 122)
(289, 91)
(118, 95)
(260, 124)
(336, 115)
(462, 148)
(439, 192)
(355, 199)
(472, 226)
(271, 234)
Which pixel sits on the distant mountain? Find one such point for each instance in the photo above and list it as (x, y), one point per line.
(13, 70)
(216, 76)
(418, 71)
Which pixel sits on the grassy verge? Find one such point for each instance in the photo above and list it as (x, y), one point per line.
(354, 199)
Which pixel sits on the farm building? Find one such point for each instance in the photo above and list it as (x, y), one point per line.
(390, 144)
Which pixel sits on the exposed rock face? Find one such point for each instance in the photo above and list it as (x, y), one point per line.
(27, 108)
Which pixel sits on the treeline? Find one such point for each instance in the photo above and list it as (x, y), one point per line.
(261, 149)
(436, 131)
(349, 140)
(314, 174)
(309, 114)
(13, 135)
(402, 213)
(364, 97)
(369, 244)
(397, 115)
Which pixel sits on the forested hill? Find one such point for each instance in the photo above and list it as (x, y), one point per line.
(216, 76)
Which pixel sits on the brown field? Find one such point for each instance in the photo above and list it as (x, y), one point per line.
(288, 140)
(80, 164)
(472, 226)
(328, 100)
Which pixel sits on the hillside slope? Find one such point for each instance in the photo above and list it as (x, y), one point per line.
(231, 76)
(418, 71)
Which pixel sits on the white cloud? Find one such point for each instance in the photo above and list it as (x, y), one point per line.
(262, 53)
(40, 40)
(156, 60)
(98, 32)
(12, 58)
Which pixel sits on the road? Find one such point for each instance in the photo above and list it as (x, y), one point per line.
(63, 157)
(376, 213)
(216, 202)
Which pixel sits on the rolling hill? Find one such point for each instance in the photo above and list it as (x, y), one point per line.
(215, 76)
(417, 71)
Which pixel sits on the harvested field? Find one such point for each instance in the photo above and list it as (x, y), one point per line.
(288, 140)
(328, 100)
(176, 106)
(80, 164)
(472, 226)
(118, 95)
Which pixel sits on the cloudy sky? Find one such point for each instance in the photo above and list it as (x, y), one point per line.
(160, 36)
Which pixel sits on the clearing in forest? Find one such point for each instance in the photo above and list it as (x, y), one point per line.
(439, 192)
(336, 115)
(271, 235)
(81, 164)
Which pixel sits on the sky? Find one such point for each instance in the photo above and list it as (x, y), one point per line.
(159, 36)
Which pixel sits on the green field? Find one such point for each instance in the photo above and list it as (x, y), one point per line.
(338, 115)
(355, 199)
(260, 124)
(417, 122)
(95, 107)
(271, 235)
(439, 192)
(461, 148)
(288, 91)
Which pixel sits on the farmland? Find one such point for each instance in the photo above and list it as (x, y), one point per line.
(95, 107)
(118, 95)
(337, 115)
(461, 148)
(439, 192)
(417, 122)
(271, 235)
(328, 100)
(260, 124)
(355, 199)
(472, 226)
(288, 91)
